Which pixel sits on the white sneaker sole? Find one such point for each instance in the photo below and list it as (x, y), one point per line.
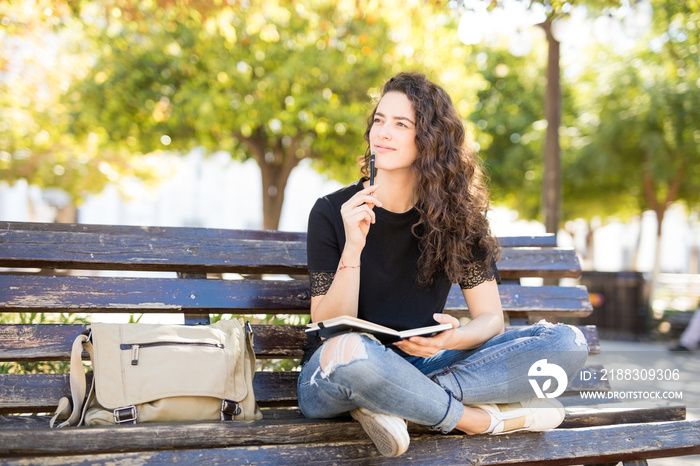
(388, 433)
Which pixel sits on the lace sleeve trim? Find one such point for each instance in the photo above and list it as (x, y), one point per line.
(478, 273)
(320, 282)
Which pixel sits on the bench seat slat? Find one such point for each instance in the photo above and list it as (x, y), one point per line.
(275, 428)
(306, 441)
(38, 293)
(27, 293)
(578, 414)
(53, 342)
(554, 448)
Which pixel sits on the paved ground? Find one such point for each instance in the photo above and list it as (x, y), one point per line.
(644, 357)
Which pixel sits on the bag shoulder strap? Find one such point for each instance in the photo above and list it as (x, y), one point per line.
(71, 410)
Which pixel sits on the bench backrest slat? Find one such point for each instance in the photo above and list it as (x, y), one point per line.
(240, 256)
(193, 234)
(219, 251)
(38, 293)
(53, 342)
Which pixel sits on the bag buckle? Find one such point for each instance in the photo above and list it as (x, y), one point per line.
(229, 409)
(126, 414)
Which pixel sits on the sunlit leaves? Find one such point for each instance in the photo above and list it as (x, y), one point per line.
(275, 79)
(641, 118)
(510, 129)
(43, 55)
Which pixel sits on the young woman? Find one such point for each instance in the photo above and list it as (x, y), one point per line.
(389, 253)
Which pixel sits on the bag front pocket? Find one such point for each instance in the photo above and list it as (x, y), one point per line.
(160, 369)
(135, 347)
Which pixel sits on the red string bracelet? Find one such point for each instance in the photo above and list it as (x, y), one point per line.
(343, 266)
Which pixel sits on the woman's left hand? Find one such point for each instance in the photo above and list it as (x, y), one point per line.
(426, 347)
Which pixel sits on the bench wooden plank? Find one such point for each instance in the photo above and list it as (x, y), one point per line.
(556, 447)
(194, 233)
(191, 233)
(579, 413)
(27, 293)
(52, 342)
(278, 427)
(38, 293)
(90, 251)
(36, 393)
(72, 250)
(533, 301)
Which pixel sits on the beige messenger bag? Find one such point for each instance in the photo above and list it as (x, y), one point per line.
(162, 373)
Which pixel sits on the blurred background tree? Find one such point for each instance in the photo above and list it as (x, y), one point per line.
(42, 55)
(629, 102)
(90, 89)
(510, 128)
(512, 23)
(638, 122)
(274, 81)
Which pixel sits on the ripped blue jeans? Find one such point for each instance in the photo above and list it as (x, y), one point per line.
(355, 370)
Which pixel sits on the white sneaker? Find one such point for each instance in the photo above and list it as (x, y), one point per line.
(536, 414)
(389, 433)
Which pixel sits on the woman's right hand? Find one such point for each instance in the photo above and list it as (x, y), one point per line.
(342, 296)
(358, 215)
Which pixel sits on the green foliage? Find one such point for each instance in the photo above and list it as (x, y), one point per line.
(289, 79)
(510, 122)
(625, 116)
(639, 117)
(36, 143)
(509, 118)
(280, 81)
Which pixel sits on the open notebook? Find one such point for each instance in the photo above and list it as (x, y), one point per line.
(343, 324)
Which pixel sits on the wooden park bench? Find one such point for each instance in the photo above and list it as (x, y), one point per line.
(93, 270)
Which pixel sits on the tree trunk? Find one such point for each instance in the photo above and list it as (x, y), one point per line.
(276, 164)
(590, 246)
(656, 270)
(637, 246)
(659, 206)
(274, 181)
(551, 189)
(67, 214)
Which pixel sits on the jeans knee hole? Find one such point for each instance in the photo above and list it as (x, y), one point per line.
(340, 351)
(579, 338)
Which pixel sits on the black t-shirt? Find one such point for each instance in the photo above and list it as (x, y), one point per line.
(389, 294)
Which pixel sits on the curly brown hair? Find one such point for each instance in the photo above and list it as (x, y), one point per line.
(451, 190)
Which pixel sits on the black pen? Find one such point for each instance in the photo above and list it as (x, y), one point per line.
(371, 169)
